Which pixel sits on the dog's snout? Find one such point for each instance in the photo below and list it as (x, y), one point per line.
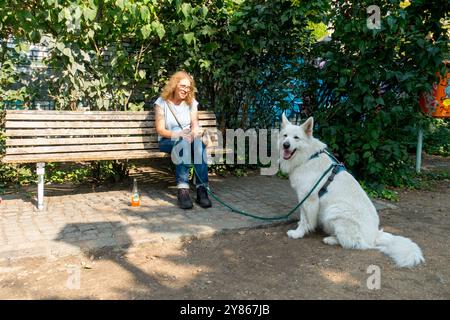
(286, 145)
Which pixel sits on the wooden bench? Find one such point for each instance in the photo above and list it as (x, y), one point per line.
(70, 136)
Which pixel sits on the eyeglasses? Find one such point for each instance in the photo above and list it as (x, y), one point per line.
(185, 87)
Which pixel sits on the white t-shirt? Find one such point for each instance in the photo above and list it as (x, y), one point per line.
(183, 112)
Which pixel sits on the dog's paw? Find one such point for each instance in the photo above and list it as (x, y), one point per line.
(331, 240)
(295, 234)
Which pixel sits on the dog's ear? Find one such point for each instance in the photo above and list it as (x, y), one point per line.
(284, 120)
(308, 126)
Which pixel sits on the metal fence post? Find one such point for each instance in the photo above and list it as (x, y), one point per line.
(419, 150)
(40, 170)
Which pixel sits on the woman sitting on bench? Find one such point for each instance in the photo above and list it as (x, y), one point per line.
(176, 120)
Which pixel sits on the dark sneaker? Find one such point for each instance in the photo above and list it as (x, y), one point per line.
(184, 199)
(202, 197)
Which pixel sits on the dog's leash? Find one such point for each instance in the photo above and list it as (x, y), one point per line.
(241, 212)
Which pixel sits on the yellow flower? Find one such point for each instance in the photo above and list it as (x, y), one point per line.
(405, 4)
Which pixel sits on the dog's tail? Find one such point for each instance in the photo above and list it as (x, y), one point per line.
(404, 252)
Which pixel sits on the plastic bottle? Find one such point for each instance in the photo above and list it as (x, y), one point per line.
(135, 197)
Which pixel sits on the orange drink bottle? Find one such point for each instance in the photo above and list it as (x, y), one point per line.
(135, 197)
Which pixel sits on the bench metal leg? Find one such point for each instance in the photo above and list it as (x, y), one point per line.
(40, 170)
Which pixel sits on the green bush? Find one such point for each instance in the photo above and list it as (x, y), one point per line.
(366, 102)
(436, 139)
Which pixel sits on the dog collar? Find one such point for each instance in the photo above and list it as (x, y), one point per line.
(315, 155)
(330, 155)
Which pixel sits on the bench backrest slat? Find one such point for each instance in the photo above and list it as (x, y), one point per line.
(77, 132)
(79, 124)
(90, 115)
(59, 136)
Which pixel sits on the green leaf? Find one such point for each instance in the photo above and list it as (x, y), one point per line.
(145, 13)
(367, 154)
(209, 47)
(77, 13)
(81, 68)
(89, 14)
(60, 46)
(120, 4)
(114, 62)
(380, 100)
(204, 11)
(142, 74)
(207, 30)
(205, 64)
(146, 30)
(86, 56)
(67, 52)
(159, 28)
(73, 69)
(351, 159)
(194, 22)
(61, 16)
(186, 9)
(23, 47)
(67, 14)
(35, 36)
(188, 37)
(362, 47)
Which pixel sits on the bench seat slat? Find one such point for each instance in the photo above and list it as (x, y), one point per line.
(82, 148)
(91, 156)
(42, 141)
(85, 156)
(72, 141)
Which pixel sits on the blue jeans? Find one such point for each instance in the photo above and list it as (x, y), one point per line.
(183, 160)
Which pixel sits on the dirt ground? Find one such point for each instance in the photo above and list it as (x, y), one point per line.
(254, 264)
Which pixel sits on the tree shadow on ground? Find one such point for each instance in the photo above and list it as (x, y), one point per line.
(265, 264)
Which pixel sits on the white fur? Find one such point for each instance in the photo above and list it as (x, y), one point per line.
(345, 212)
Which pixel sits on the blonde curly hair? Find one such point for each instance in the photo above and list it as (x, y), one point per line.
(170, 87)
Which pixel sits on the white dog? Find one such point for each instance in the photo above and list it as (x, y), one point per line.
(343, 209)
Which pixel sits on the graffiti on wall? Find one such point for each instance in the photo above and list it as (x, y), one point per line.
(437, 103)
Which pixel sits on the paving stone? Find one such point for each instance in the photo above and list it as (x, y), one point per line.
(105, 234)
(89, 226)
(33, 237)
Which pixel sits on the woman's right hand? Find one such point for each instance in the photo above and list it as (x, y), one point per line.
(185, 135)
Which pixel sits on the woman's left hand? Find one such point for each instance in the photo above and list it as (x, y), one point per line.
(187, 135)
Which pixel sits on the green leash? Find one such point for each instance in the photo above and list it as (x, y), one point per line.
(259, 217)
(255, 216)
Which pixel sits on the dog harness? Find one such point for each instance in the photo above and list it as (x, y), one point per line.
(337, 167)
